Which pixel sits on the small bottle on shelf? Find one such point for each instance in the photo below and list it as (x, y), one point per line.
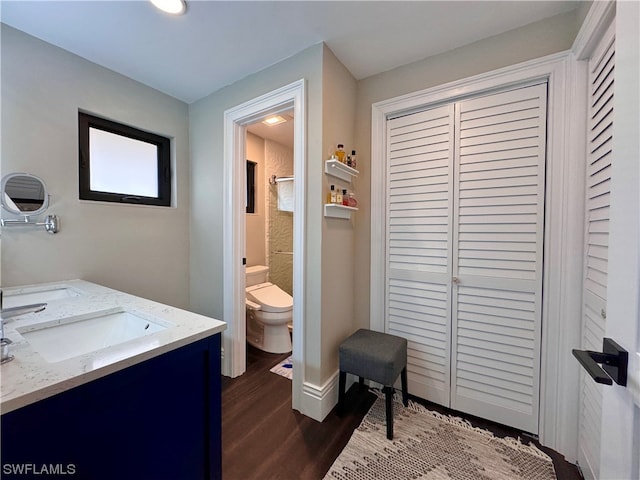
(353, 159)
(345, 197)
(340, 152)
(331, 197)
(339, 198)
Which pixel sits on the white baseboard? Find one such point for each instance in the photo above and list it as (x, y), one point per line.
(318, 401)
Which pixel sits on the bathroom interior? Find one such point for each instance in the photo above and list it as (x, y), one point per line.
(109, 244)
(269, 233)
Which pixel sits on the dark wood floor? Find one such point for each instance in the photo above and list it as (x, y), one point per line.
(263, 438)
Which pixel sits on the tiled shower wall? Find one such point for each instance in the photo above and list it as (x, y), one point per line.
(279, 231)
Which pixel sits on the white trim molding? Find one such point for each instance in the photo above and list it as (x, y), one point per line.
(563, 225)
(319, 400)
(236, 119)
(595, 24)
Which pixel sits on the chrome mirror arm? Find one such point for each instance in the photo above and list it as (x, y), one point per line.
(51, 223)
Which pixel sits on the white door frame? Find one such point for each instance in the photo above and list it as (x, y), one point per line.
(236, 119)
(562, 283)
(620, 422)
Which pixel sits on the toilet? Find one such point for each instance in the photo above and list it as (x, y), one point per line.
(269, 312)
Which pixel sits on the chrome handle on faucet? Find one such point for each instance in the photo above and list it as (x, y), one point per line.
(4, 342)
(1, 318)
(13, 312)
(4, 350)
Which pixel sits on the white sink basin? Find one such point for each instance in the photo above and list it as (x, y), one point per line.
(63, 339)
(37, 295)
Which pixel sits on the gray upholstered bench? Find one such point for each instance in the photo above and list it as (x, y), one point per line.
(375, 356)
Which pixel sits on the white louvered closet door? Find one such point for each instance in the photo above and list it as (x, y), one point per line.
(497, 256)
(419, 213)
(598, 189)
(465, 214)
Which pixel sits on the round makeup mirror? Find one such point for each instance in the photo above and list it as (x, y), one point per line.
(24, 194)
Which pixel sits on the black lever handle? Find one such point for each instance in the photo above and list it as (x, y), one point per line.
(614, 359)
(591, 366)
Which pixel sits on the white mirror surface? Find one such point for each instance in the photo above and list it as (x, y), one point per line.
(23, 194)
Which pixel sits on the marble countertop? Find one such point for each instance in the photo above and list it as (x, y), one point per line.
(30, 378)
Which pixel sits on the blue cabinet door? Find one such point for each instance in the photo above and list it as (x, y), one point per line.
(159, 419)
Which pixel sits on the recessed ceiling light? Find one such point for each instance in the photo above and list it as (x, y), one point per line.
(174, 7)
(274, 120)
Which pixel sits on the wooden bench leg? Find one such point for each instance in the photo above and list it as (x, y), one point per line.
(388, 393)
(405, 394)
(342, 382)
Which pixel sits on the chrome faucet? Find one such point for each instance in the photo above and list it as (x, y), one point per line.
(22, 309)
(9, 313)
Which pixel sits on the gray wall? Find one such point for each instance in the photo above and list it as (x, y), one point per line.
(338, 235)
(532, 41)
(138, 249)
(330, 108)
(109, 244)
(206, 133)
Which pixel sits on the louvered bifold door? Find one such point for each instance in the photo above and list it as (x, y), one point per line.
(419, 229)
(497, 256)
(594, 297)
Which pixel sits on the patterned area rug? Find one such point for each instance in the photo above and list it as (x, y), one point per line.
(284, 368)
(430, 445)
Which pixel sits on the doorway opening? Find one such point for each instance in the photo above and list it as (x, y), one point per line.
(237, 120)
(269, 234)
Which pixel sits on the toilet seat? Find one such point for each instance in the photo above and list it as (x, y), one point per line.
(270, 297)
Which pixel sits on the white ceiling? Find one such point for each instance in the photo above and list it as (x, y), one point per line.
(217, 43)
(281, 133)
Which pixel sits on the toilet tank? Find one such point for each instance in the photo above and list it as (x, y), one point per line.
(256, 274)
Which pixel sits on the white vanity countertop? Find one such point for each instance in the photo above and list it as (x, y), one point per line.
(30, 378)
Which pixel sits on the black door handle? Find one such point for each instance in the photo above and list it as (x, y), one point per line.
(614, 360)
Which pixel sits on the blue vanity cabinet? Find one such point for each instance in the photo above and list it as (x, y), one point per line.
(159, 419)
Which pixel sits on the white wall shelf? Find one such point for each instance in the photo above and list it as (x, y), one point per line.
(334, 210)
(340, 170)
